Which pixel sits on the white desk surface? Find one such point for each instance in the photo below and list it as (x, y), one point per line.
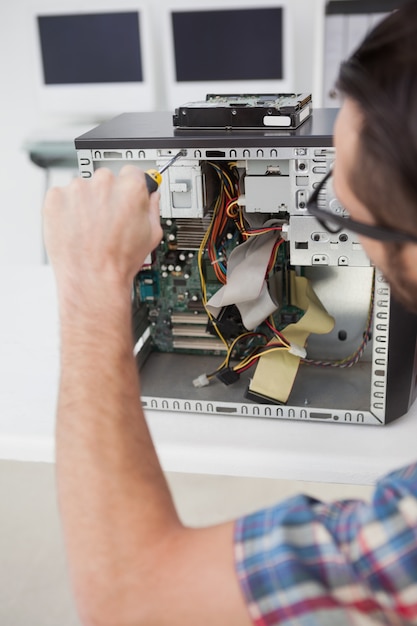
(269, 448)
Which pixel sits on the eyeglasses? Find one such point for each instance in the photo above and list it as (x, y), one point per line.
(334, 223)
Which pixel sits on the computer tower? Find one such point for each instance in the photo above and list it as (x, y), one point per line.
(248, 307)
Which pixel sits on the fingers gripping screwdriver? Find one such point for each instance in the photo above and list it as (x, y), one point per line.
(154, 177)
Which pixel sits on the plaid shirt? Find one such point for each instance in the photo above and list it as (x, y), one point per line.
(305, 563)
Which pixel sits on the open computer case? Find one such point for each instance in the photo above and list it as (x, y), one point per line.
(249, 307)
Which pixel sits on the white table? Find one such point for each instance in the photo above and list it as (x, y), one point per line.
(213, 444)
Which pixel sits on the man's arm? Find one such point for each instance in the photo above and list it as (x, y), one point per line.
(132, 562)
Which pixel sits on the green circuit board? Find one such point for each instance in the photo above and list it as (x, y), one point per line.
(170, 286)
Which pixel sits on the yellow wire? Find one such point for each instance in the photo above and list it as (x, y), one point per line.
(255, 357)
(201, 274)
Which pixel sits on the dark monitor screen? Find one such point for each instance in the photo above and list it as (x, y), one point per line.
(90, 48)
(228, 44)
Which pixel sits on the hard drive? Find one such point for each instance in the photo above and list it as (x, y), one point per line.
(247, 111)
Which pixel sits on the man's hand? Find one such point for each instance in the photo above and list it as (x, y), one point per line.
(101, 228)
(131, 560)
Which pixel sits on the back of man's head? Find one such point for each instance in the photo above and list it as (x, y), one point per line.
(381, 77)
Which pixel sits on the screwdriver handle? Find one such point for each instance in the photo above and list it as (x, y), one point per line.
(153, 180)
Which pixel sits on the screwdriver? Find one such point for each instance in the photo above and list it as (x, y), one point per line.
(154, 178)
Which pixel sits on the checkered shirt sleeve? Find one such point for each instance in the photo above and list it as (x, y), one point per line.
(306, 563)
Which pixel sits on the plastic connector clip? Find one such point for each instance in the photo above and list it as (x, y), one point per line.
(201, 381)
(297, 351)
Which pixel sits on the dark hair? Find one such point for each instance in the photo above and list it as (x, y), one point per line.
(381, 77)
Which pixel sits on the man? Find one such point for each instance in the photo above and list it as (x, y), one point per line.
(132, 562)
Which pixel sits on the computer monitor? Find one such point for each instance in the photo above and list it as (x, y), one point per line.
(221, 47)
(93, 59)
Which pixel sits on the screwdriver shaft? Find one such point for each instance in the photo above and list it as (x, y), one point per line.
(154, 177)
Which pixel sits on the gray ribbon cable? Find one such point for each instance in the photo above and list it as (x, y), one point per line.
(246, 285)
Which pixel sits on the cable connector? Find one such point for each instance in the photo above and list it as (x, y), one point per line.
(228, 376)
(201, 381)
(285, 232)
(297, 350)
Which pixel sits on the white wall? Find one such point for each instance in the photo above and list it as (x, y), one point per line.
(21, 182)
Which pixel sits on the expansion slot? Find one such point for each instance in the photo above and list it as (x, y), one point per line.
(211, 344)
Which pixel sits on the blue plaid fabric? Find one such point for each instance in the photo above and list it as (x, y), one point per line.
(306, 563)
